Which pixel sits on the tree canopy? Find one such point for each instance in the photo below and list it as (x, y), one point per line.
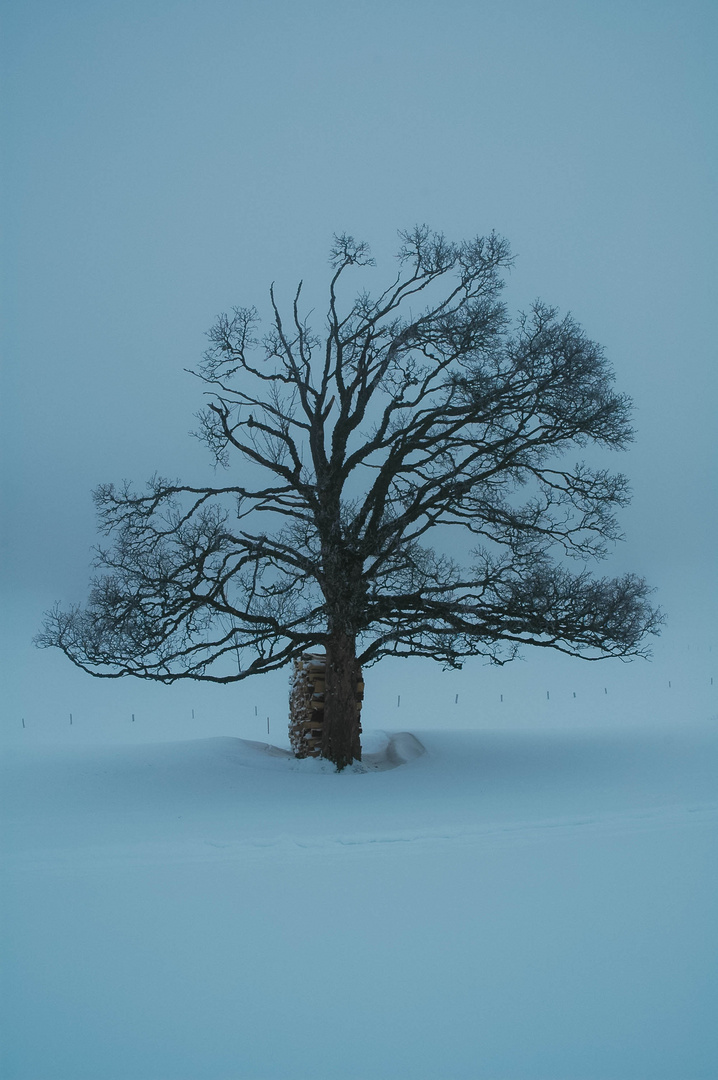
(355, 458)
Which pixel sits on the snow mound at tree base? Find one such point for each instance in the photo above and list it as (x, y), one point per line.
(381, 750)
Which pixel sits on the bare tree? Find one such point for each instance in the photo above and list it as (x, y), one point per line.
(400, 419)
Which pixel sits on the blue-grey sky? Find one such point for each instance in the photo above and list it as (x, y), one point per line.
(165, 160)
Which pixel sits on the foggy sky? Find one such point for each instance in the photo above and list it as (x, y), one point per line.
(167, 160)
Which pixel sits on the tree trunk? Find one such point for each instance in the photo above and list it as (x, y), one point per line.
(341, 740)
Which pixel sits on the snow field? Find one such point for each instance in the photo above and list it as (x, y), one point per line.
(507, 904)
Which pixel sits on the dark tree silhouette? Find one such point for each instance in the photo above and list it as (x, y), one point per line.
(422, 408)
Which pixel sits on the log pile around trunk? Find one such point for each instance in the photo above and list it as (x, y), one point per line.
(306, 704)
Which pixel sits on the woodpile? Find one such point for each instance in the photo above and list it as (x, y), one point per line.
(306, 704)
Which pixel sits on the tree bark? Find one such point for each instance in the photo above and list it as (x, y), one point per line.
(341, 741)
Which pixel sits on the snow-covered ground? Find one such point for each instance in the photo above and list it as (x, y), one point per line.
(517, 901)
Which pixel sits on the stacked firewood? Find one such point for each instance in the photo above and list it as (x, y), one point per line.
(306, 704)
